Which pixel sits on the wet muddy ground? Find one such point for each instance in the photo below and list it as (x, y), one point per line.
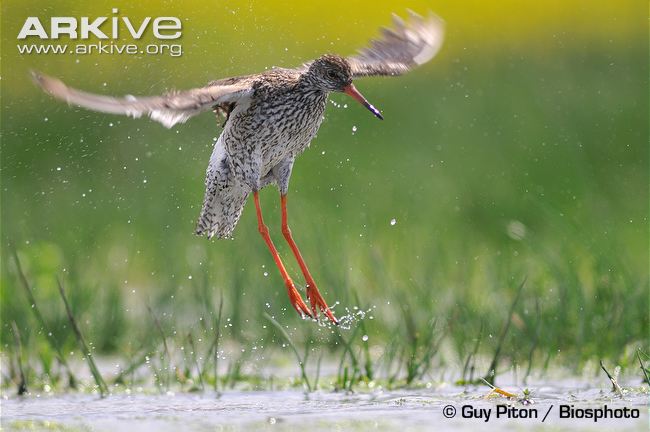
(445, 407)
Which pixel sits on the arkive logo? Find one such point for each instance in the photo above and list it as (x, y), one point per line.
(100, 35)
(82, 28)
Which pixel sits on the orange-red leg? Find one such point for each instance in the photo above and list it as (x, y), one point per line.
(294, 296)
(315, 298)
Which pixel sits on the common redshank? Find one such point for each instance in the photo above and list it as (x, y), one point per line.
(270, 118)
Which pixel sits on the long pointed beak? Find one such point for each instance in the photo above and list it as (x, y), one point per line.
(352, 91)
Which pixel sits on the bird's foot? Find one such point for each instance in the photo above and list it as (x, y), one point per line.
(297, 302)
(318, 303)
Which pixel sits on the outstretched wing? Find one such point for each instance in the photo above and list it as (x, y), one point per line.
(168, 109)
(401, 48)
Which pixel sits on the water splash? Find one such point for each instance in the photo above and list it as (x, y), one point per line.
(354, 316)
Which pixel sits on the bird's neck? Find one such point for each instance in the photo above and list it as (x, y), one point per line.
(308, 84)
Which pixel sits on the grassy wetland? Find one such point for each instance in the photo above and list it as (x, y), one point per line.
(493, 230)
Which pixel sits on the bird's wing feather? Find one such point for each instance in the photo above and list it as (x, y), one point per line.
(168, 109)
(400, 48)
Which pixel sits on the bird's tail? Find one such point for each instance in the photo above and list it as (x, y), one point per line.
(225, 197)
(221, 210)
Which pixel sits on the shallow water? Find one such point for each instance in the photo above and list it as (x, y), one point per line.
(291, 409)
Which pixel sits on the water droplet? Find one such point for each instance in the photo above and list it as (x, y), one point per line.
(516, 230)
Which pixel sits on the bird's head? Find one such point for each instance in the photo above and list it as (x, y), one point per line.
(330, 72)
(333, 73)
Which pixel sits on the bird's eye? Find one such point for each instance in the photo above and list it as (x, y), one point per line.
(331, 74)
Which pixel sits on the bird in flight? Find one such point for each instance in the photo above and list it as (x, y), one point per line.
(270, 118)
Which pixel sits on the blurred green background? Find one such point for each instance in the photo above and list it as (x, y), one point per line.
(521, 151)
